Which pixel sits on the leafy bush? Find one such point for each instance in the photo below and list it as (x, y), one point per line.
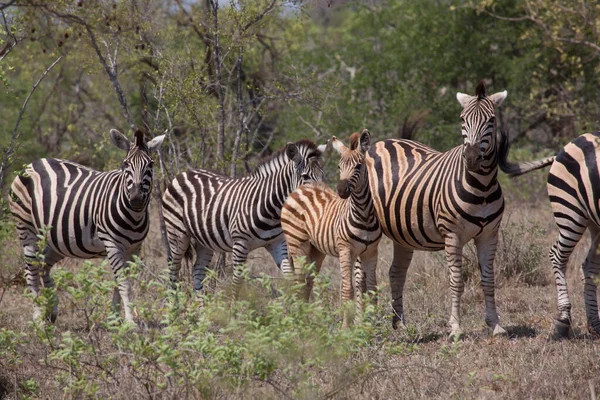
(271, 345)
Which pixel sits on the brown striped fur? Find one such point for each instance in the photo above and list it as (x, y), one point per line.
(317, 222)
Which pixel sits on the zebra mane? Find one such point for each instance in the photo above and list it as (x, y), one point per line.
(280, 154)
(480, 90)
(139, 138)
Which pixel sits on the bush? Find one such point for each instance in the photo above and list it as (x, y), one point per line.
(261, 345)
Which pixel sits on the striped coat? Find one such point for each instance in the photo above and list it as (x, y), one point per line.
(430, 200)
(574, 192)
(84, 213)
(318, 222)
(221, 214)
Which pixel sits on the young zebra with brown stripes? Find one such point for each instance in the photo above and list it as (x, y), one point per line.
(574, 192)
(430, 200)
(215, 213)
(84, 213)
(317, 222)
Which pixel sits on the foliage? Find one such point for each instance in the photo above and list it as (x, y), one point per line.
(222, 348)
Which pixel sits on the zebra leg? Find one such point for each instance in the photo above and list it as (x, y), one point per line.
(591, 272)
(316, 257)
(454, 250)
(50, 258)
(203, 259)
(178, 244)
(346, 262)
(559, 256)
(369, 265)
(360, 287)
(486, 252)
(239, 257)
(279, 251)
(397, 273)
(118, 263)
(27, 236)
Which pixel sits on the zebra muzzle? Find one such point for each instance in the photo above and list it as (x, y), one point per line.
(343, 189)
(472, 156)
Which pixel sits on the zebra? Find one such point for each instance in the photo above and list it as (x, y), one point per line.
(429, 200)
(317, 222)
(84, 213)
(221, 214)
(574, 193)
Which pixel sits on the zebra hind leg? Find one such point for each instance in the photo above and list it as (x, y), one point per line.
(51, 257)
(559, 256)
(29, 242)
(591, 273)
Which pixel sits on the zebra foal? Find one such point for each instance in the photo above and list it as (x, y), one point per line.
(317, 222)
(574, 193)
(84, 213)
(221, 214)
(430, 200)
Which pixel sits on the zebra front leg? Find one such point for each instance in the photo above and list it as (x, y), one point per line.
(203, 259)
(346, 263)
(591, 272)
(178, 244)
(453, 249)
(118, 264)
(239, 257)
(397, 273)
(369, 265)
(486, 252)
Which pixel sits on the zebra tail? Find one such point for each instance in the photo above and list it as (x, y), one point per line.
(518, 169)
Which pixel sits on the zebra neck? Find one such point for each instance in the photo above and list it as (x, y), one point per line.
(361, 204)
(276, 183)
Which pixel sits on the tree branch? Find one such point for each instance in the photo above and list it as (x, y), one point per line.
(11, 147)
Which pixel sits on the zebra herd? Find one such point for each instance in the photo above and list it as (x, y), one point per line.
(420, 198)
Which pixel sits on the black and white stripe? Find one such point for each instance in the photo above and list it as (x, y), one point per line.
(221, 214)
(574, 192)
(84, 213)
(428, 200)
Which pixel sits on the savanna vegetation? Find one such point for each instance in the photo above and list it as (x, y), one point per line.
(232, 81)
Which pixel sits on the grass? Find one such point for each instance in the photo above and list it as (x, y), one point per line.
(249, 349)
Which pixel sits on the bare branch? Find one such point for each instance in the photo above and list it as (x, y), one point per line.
(259, 16)
(11, 147)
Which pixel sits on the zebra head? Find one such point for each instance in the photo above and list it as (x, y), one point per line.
(353, 177)
(137, 166)
(479, 125)
(305, 156)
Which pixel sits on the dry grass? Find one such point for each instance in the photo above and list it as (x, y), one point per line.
(417, 363)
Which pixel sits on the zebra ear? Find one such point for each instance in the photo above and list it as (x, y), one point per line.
(365, 141)
(155, 143)
(498, 98)
(291, 151)
(463, 99)
(120, 140)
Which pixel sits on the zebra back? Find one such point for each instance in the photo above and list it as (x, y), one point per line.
(216, 210)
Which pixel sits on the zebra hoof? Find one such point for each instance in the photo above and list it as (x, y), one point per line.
(594, 330)
(562, 329)
(456, 335)
(52, 317)
(499, 331)
(398, 322)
